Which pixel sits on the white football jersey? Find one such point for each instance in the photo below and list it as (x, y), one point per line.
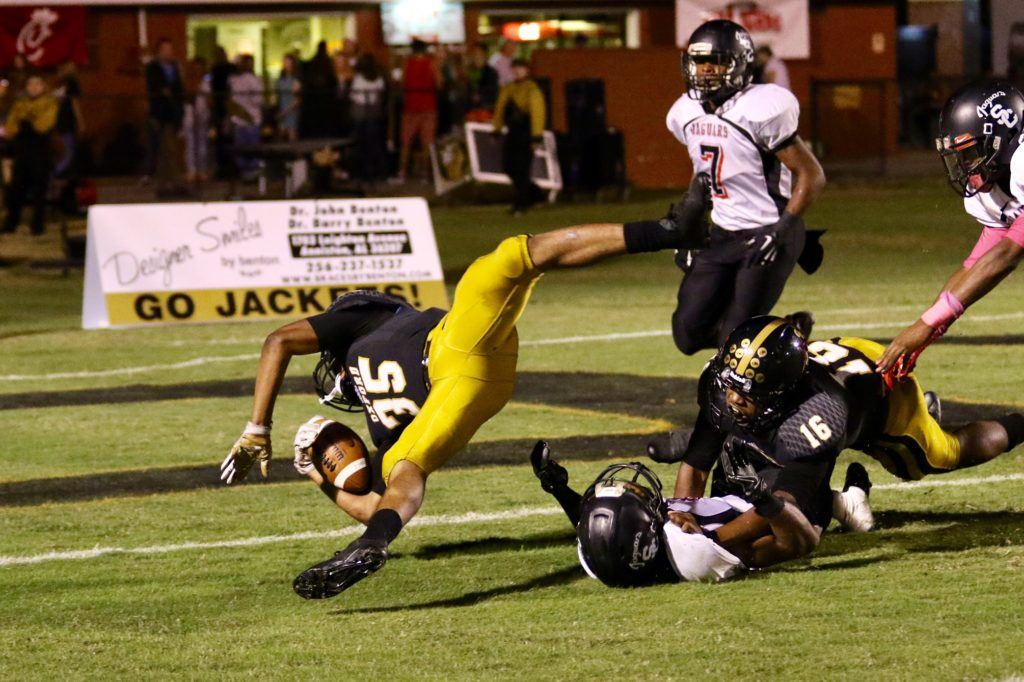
(698, 558)
(736, 147)
(997, 208)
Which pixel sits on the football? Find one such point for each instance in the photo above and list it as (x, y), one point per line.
(340, 456)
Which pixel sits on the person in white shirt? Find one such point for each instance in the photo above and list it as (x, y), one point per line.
(981, 128)
(773, 69)
(501, 61)
(246, 109)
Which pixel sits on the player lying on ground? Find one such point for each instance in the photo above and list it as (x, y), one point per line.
(426, 380)
(761, 388)
(981, 127)
(629, 536)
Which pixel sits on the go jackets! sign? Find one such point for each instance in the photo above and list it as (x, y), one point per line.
(225, 262)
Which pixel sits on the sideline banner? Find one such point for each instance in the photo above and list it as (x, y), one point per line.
(45, 35)
(227, 262)
(783, 25)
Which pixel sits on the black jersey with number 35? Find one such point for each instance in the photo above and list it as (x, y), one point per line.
(387, 368)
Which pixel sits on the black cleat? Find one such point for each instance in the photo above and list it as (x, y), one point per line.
(552, 475)
(934, 405)
(857, 477)
(803, 322)
(342, 571)
(670, 447)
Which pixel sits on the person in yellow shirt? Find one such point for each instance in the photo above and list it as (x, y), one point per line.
(521, 109)
(29, 126)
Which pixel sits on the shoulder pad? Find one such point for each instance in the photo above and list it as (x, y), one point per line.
(361, 297)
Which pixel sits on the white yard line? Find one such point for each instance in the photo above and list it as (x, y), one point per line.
(949, 482)
(421, 522)
(418, 522)
(121, 371)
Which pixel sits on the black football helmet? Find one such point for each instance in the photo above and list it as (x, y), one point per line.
(722, 43)
(619, 531)
(979, 130)
(333, 386)
(762, 359)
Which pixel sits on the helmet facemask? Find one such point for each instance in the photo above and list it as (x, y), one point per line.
(769, 402)
(717, 84)
(333, 385)
(971, 162)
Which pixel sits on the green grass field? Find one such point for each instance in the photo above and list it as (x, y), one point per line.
(121, 556)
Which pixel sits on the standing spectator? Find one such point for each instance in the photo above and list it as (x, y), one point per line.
(454, 90)
(771, 68)
(220, 72)
(166, 111)
(343, 74)
(70, 122)
(319, 85)
(501, 62)
(246, 109)
(521, 109)
(288, 88)
(197, 122)
(369, 119)
(30, 124)
(419, 104)
(483, 79)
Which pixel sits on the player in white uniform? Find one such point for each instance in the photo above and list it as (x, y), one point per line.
(982, 129)
(629, 535)
(761, 178)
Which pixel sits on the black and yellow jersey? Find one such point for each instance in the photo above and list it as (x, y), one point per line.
(388, 369)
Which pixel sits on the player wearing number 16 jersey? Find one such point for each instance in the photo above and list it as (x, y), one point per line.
(803, 404)
(762, 178)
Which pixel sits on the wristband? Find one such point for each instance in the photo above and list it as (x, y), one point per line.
(769, 506)
(257, 429)
(945, 311)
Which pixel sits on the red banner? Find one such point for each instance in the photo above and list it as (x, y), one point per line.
(46, 36)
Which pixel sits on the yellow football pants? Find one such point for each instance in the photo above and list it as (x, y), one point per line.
(471, 358)
(912, 444)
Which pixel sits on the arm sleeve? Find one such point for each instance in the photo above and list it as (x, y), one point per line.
(13, 123)
(704, 446)
(782, 116)
(990, 236)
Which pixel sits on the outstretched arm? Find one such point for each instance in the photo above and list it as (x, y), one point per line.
(297, 338)
(964, 288)
(573, 247)
(792, 536)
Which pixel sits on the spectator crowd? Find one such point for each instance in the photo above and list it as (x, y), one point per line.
(204, 118)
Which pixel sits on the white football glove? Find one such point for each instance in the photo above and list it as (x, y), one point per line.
(304, 438)
(251, 447)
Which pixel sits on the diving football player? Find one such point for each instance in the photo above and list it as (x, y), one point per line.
(425, 380)
(981, 128)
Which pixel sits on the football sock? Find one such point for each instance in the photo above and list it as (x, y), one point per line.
(570, 500)
(385, 524)
(1014, 425)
